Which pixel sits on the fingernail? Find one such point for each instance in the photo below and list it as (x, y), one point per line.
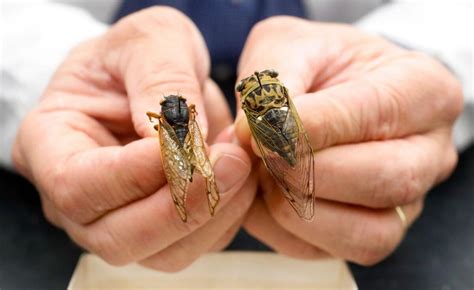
(230, 171)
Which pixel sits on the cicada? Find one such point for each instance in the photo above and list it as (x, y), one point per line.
(281, 138)
(182, 151)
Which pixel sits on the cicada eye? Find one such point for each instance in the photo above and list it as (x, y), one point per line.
(239, 87)
(273, 73)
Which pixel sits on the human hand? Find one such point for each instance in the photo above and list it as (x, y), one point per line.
(95, 158)
(380, 120)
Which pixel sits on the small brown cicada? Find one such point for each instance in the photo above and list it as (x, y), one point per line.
(183, 150)
(281, 138)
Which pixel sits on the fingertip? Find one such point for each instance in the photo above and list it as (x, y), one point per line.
(227, 136)
(143, 126)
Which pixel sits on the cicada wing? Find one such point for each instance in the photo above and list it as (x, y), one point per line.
(202, 164)
(176, 166)
(296, 182)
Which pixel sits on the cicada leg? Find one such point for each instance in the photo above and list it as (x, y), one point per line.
(154, 116)
(192, 110)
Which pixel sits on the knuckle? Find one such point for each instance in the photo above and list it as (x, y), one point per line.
(450, 101)
(69, 197)
(448, 89)
(50, 214)
(452, 160)
(59, 192)
(455, 97)
(373, 240)
(146, 23)
(450, 163)
(389, 100)
(399, 182)
(410, 185)
(167, 76)
(274, 24)
(158, 17)
(166, 15)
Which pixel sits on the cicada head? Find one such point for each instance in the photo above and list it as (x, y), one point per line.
(258, 79)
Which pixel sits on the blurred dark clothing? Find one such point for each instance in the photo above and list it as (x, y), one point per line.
(224, 24)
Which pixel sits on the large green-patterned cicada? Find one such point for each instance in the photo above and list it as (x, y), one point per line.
(182, 151)
(281, 138)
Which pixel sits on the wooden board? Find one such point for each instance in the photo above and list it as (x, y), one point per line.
(226, 270)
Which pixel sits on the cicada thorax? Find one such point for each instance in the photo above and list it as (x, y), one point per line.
(270, 102)
(176, 112)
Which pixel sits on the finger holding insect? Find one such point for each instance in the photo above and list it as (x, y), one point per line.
(358, 234)
(372, 108)
(219, 229)
(261, 225)
(384, 174)
(289, 54)
(151, 224)
(81, 178)
(147, 63)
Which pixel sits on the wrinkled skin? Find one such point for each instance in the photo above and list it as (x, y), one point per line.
(380, 119)
(95, 158)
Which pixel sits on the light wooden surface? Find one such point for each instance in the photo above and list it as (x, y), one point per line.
(227, 270)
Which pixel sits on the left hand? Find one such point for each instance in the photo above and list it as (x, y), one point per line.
(380, 120)
(95, 158)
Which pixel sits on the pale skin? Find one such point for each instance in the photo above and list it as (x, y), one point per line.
(95, 157)
(379, 117)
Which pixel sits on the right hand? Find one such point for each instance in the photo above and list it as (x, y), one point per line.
(95, 158)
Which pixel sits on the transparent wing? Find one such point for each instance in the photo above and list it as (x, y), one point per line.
(176, 166)
(201, 161)
(297, 182)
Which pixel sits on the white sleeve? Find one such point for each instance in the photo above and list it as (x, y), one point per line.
(36, 37)
(443, 29)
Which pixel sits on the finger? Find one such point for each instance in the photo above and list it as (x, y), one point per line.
(151, 224)
(358, 234)
(296, 68)
(384, 174)
(157, 52)
(83, 179)
(217, 110)
(383, 101)
(185, 251)
(386, 103)
(227, 237)
(260, 224)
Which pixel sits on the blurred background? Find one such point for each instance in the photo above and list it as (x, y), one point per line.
(438, 252)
